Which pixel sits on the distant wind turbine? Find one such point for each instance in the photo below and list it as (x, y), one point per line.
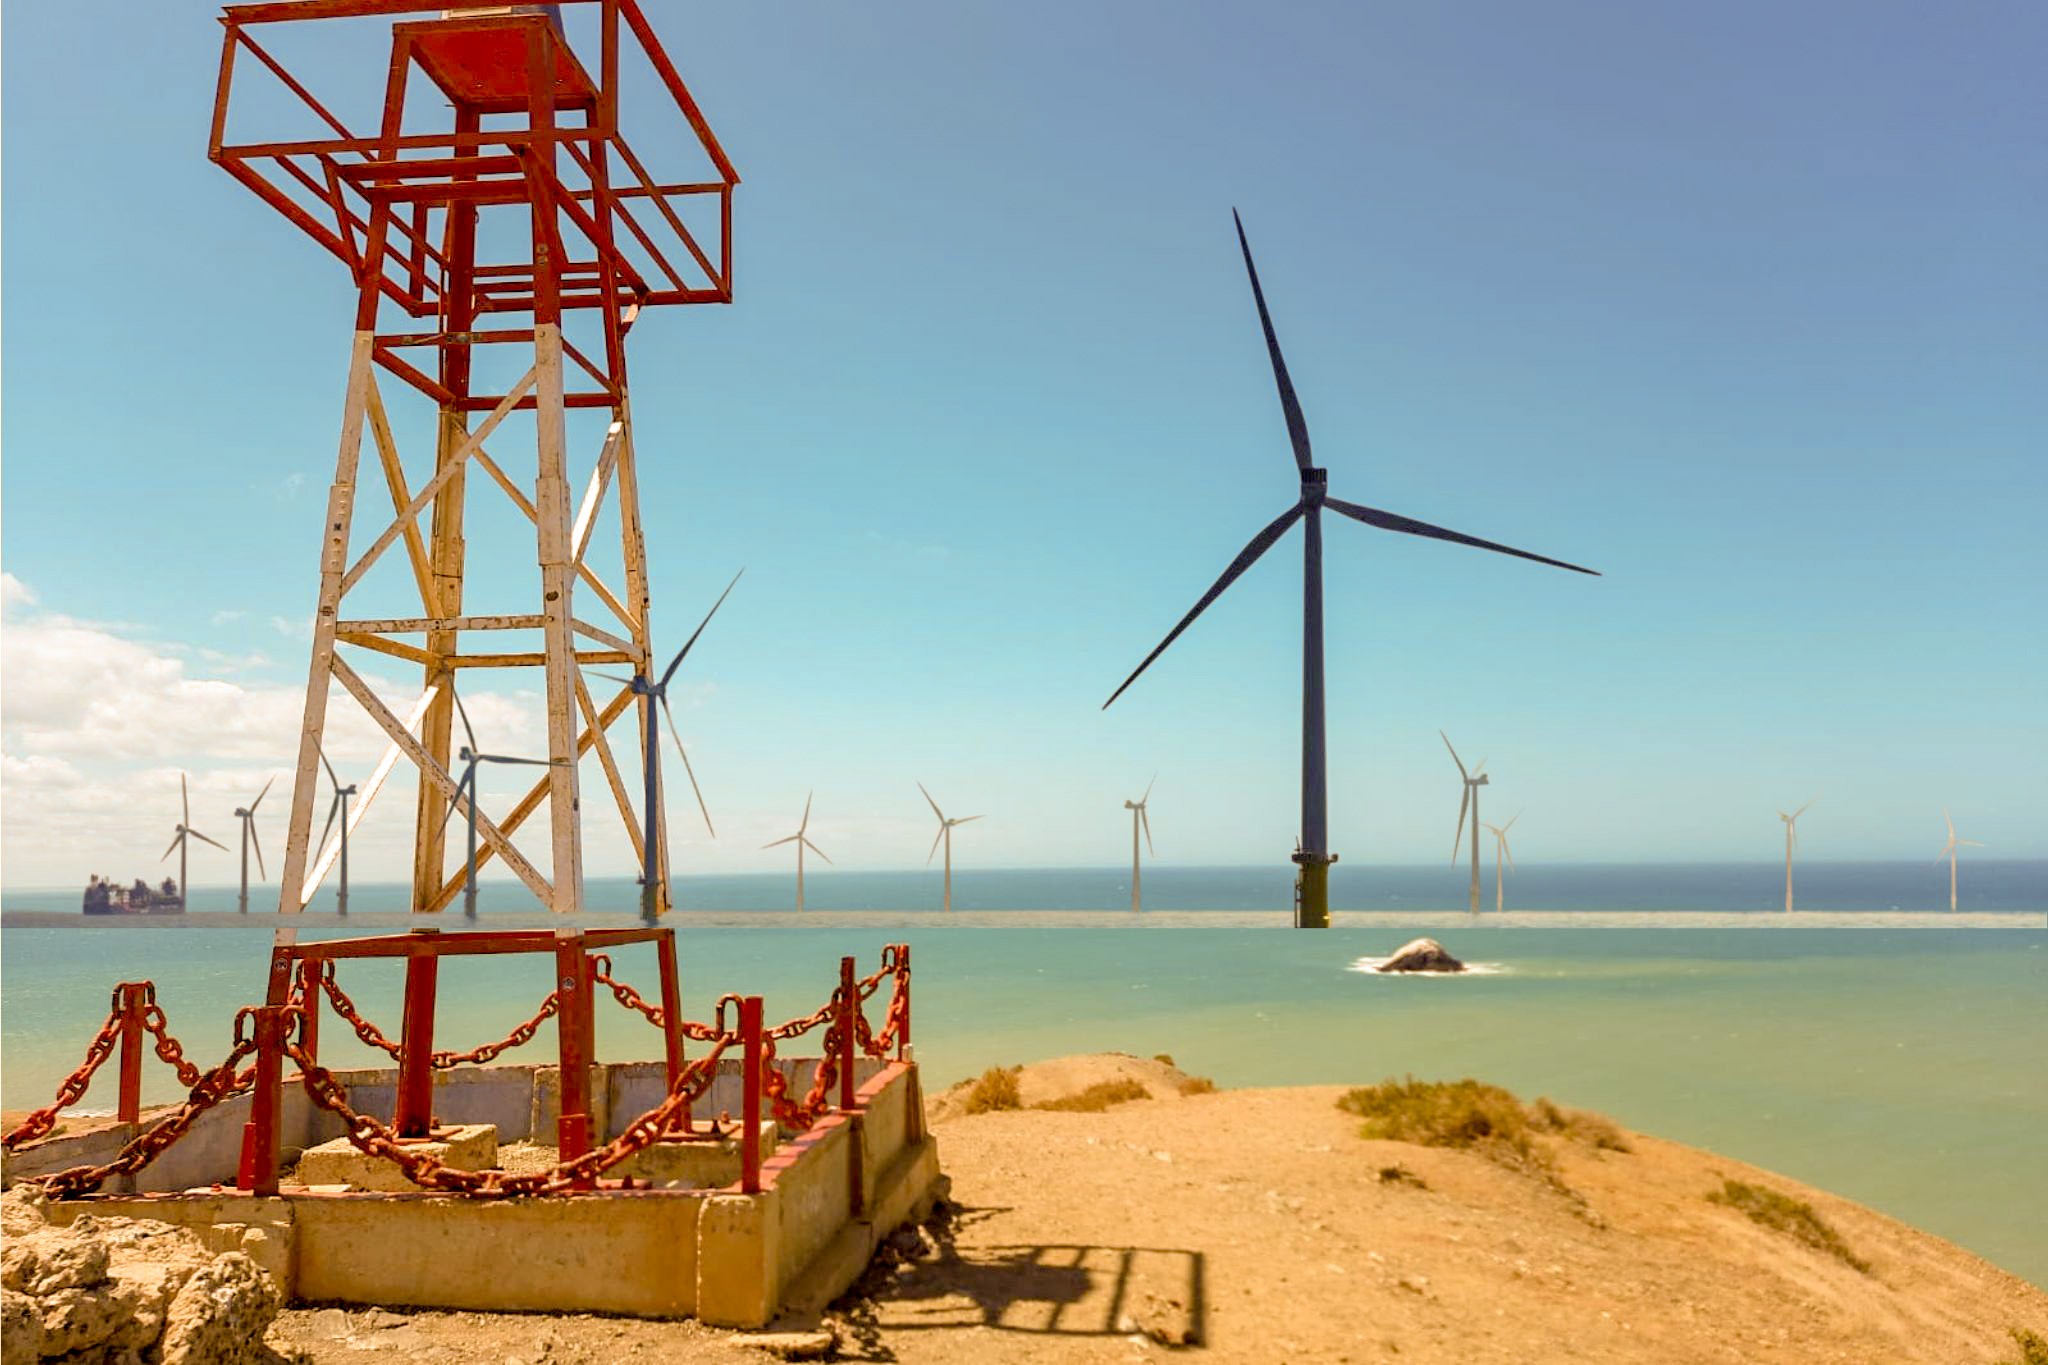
(1501, 850)
(1312, 855)
(652, 859)
(1138, 817)
(465, 796)
(945, 834)
(1792, 842)
(1949, 852)
(184, 834)
(247, 815)
(1473, 781)
(802, 842)
(339, 805)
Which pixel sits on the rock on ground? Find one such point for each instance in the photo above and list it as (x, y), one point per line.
(122, 1290)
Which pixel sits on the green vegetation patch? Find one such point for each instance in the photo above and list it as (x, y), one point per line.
(1793, 1217)
(1099, 1097)
(995, 1088)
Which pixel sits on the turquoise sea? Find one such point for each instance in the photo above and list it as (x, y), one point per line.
(1901, 1068)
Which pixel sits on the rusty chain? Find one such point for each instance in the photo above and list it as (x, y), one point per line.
(444, 1059)
(214, 1086)
(373, 1138)
(75, 1085)
(167, 1047)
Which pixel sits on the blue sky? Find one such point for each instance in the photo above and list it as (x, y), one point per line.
(1743, 305)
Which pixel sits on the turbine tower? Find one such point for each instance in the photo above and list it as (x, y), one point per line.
(247, 815)
(1473, 780)
(1949, 852)
(1501, 850)
(339, 805)
(652, 844)
(802, 842)
(1138, 817)
(1312, 854)
(944, 835)
(1792, 842)
(465, 797)
(185, 833)
(503, 236)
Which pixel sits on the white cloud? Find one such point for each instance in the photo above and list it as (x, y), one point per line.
(14, 593)
(222, 618)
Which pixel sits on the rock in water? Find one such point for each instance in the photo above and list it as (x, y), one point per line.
(1423, 955)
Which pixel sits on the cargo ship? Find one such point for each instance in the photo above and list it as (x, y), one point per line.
(103, 897)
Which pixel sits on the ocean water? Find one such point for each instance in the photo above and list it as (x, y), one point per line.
(1983, 885)
(1903, 1069)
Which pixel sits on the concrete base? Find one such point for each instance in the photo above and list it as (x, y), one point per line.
(696, 1163)
(467, 1147)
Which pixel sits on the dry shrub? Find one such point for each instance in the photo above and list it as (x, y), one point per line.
(1098, 1097)
(1593, 1130)
(1197, 1085)
(1164, 1058)
(1463, 1113)
(995, 1088)
(2033, 1348)
(1793, 1217)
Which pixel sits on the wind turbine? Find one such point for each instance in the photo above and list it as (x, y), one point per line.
(184, 833)
(653, 857)
(1791, 842)
(247, 815)
(946, 833)
(1500, 850)
(1138, 817)
(1312, 856)
(802, 842)
(338, 806)
(470, 759)
(1474, 780)
(1949, 852)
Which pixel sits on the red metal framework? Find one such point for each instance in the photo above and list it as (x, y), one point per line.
(496, 203)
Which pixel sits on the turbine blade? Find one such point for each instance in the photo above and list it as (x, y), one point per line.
(1950, 823)
(1297, 428)
(507, 758)
(1454, 754)
(1510, 852)
(806, 822)
(780, 842)
(257, 844)
(966, 818)
(1389, 521)
(333, 807)
(174, 844)
(1969, 843)
(1146, 825)
(329, 766)
(1148, 790)
(1805, 808)
(1458, 838)
(934, 805)
(688, 772)
(1258, 545)
(611, 677)
(185, 800)
(677, 662)
(935, 846)
(260, 795)
(815, 849)
(1511, 823)
(215, 842)
(463, 711)
(454, 804)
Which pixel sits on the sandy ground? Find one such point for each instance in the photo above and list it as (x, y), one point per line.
(1258, 1226)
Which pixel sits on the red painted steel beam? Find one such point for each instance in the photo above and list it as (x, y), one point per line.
(283, 11)
(572, 978)
(414, 1116)
(131, 996)
(750, 1102)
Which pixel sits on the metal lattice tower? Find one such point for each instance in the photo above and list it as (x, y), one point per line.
(511, 140)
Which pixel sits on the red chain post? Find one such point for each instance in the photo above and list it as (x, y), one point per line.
(849, 1002)
(572, 1027)
(415, 1111)
(258, 1173)
(310, 972)
(131, 998)
(904, 987)
(750, 1104)
(672, 1014)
